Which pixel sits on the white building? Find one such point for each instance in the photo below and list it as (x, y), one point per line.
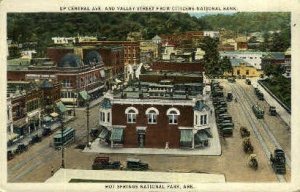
(251, 57)
(212, 34)
(199, 54)
(168, 51)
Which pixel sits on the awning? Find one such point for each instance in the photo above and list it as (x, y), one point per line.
(208, 132)
(116, 134)
(61, 107)
(186, 135)
(201, 136)
(103, 133)
(54, 114)
(84, 95)
(47, 118)
(20, 122)
(11, 136)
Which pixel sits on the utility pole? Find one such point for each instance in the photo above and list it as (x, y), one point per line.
(88, 121)
(62, 141)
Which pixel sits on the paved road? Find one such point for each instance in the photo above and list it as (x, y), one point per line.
(42, 155)
(35, 164)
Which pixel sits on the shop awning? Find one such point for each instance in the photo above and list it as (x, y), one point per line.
(20, 122)
(47, 118)
(201, 136)
(11, 136)
(61, 107)
(103, 133)
(84, 95)
(54, 114)
(116, 134)
(208, 132)
(186, 135)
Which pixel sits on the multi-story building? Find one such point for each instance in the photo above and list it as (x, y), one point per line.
(251, 57)
(157, 115)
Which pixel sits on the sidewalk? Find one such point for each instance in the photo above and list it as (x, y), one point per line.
(285, 116)
(25, 139)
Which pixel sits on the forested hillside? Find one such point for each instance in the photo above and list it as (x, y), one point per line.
(249, 22)
(115, 26)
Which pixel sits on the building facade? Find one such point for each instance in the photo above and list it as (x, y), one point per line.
(156, 115)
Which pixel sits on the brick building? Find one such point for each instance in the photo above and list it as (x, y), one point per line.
(156, 115)
(196, 66)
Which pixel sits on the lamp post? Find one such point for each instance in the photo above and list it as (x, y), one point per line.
(62, 140)
(88, 120)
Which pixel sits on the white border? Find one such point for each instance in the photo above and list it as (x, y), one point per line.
(241, 5)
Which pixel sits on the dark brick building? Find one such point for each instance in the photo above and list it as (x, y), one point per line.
(156, 115)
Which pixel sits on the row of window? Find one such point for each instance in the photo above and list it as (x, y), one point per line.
(152, 113)
(105, 117)
(32, 105)
(201, 119)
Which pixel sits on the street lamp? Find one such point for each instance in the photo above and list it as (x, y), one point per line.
(88, 120)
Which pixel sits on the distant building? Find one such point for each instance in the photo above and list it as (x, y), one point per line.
(287, 63)
(199, 54)
(212, 34)
(27, 54)
(272, 58)
(149, 51)
(240, 68)
(251, 57)
(156, 39)
(195, 66)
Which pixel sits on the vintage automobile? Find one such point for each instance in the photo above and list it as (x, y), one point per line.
(278, 161)
(244, 132)
(229, 96)
(252, 161)
(35, 139)
(231, 79)
(248, 82)
(46, 131)
(272, 111)
(247, 146)
(259, 112)
(21, 148)
(259, 94)
(136, 164)
(104, 163)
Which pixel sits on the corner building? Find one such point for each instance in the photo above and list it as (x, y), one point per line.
(156, 115)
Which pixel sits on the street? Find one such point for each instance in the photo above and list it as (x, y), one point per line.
(35, 164)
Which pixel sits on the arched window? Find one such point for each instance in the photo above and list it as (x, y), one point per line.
(173, 114)
(152, 115)
(131, 113)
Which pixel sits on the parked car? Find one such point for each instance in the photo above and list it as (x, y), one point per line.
(136, 164)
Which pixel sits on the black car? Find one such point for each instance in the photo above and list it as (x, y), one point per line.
(21, 148)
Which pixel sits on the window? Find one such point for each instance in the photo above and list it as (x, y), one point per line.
(66, 83)
(203, 119)
(247, 72)
(173, 115)
(152, 117)
(102, 116)
(131, 116)
(131, 113)
(108, 117)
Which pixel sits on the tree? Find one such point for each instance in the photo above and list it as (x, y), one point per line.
(226, 65)
(211, 57)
